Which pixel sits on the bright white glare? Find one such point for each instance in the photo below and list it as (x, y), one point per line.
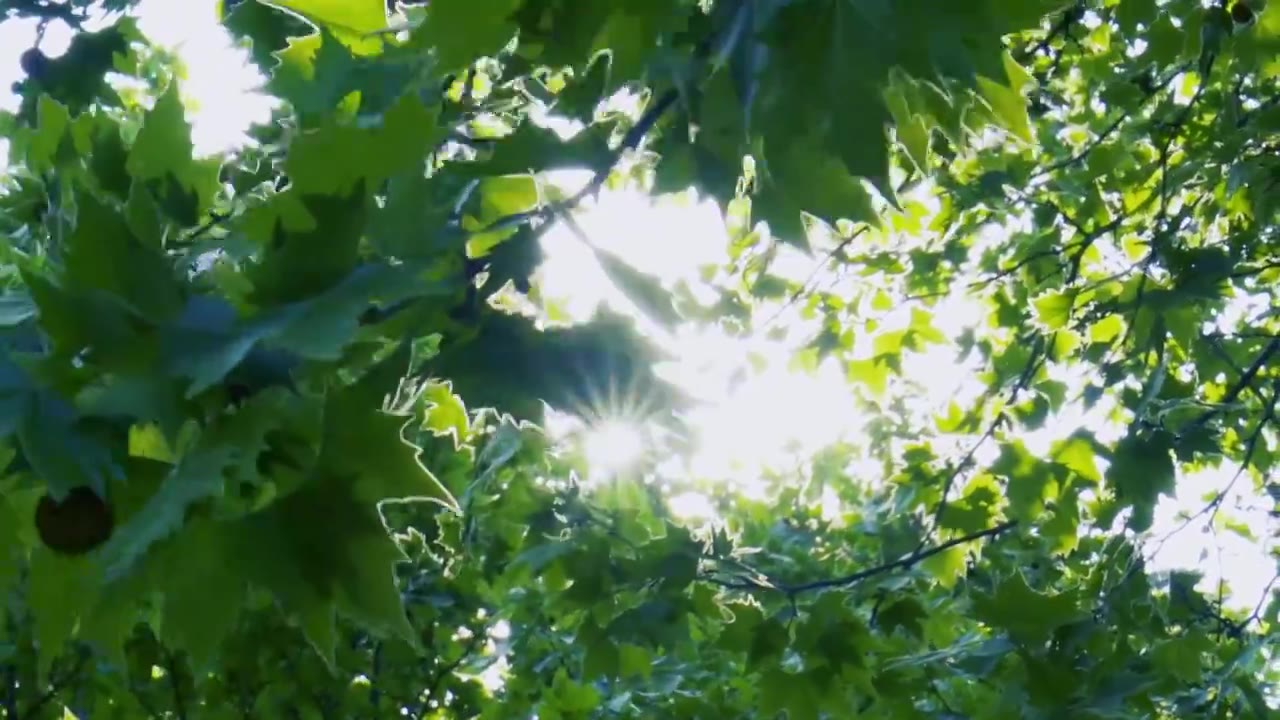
(692, 505)
(612, 447)
(221, 85)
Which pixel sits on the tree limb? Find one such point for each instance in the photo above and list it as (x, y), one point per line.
(903, 563)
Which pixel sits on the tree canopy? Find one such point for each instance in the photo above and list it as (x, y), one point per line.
(275, 423)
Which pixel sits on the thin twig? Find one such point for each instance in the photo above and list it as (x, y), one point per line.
(1246, 380)
(1024, 378)
(11, 691)
(448, 668)
(58, 684)
(1257, 609)
(1109, 130)
(804, 287)
(175, 686)
(903, 563)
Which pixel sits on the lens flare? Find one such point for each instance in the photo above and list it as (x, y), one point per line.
(612, 447)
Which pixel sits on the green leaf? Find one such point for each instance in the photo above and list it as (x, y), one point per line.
(501, 197)
(1030, 480)
(906, 613)
(1027, 615)
(60, 450)
(334, 159)
(197, 476)
(1183, 657)
(634, 661)
(1077, 454)
(513, 366)
(975, 509)
(313, 256)
(62, 588)
(871, 372)
(206, 344)
(1009, 108)
(356, 17)
(203, 590)
(1053, 309)
(1141, 470)
(163, 145)
(461, 31)
(784, 692)
(325, 548)
(364, 443)
(104, 255)
(447, 414)
(53, 121)
(645, 290)
(568, 697)
(1106, 329)
(947, 567)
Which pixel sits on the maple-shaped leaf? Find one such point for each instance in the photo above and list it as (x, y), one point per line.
(209, 342)
(62, 450)
(1029, 480)
(325, 548)
(458, 32)
(850, 50)
(789, 693)
(1027, 615)
(321, 75)
(161, 159)
(202, 587)
(414, 220)
(303, 260)
(199, 474)
(358, 18)
(976, 508)
(104, 255)
(62, 588)
(364, 439)
(267, 29)
(602, 367)
(1141, 470)
(163, 144)
(334, 159)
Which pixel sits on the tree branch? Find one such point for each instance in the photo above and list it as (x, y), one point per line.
(1109, 130)
(903, 563)
(175, 686)
(58, 683)
(1246, 380)
(448, 668)
(11, 691)
(630, 141)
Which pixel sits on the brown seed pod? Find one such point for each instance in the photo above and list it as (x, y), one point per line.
(78, 524)
(1241, 13)
(34, 62)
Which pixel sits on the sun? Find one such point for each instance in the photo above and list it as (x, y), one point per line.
(612, 447)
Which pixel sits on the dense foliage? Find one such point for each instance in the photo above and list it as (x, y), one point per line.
(272, 421)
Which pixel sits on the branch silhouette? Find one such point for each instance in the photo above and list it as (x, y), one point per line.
(903, 563)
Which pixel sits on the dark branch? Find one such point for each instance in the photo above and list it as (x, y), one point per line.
(904, 563)
(1245, 381)
(58, 682)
